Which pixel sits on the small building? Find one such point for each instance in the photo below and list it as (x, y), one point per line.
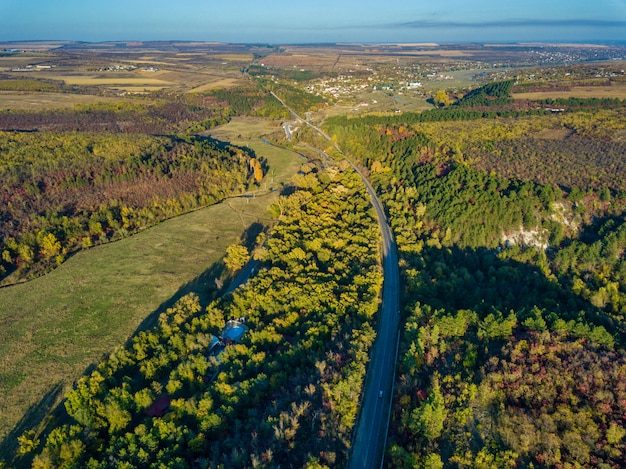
(159, 407)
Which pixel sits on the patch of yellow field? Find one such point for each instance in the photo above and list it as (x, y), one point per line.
(614, 91)
(40, 101)
(223, 83)
(95, 81)
(233, 57)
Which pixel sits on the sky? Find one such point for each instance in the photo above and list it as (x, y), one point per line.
(315, 21)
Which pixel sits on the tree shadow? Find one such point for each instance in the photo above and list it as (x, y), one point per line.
(46, 409)
(249, 236)
(204, 286)
(479, 279)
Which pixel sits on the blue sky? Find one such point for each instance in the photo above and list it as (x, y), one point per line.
(295, 21)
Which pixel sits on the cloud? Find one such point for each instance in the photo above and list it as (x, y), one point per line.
(521, 23)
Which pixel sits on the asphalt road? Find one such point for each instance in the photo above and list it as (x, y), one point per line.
(371, 431)
(243, 275)
(370, 435)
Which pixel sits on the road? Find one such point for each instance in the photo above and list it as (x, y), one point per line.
(243, 275)
(287, 128)
(371, 431)
(370, 435)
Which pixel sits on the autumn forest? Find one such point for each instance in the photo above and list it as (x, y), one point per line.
(507, 209)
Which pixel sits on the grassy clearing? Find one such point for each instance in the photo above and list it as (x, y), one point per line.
(56, 326)
(246, 131)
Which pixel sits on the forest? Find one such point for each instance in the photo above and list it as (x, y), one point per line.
(62, 192)
(510, 223)
(285, 395)
(96, 173)
(511, 235)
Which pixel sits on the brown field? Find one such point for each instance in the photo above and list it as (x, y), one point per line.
(219, 84)
(34, 46)
(8, 63)
(431, 52)
(96, 81)
(232, 57)
(616, 90)
(300, 60)
(31, 101)
(151, 61)
(190, 79)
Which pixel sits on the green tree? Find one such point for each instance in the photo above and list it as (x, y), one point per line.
(429, 417)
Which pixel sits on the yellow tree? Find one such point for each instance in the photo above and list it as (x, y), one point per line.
(236, 257)
(255, 165)
(50, 246)
(441, 98)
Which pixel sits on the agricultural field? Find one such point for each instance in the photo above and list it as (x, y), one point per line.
(109, 70)
(615, 91)
(20, 101)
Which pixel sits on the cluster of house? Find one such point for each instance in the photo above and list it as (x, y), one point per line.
(30, 68)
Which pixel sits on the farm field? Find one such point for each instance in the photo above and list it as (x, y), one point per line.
(134, 70)
(56, 326)
(616, 90)
(18, 100)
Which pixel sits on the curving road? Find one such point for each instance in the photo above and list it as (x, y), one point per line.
(370, 435)
(371, 431)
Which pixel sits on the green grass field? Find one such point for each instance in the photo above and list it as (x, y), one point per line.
(56, 326)
(245, 131)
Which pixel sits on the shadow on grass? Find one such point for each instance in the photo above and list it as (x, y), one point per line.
(32, 419)
(205, 286)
